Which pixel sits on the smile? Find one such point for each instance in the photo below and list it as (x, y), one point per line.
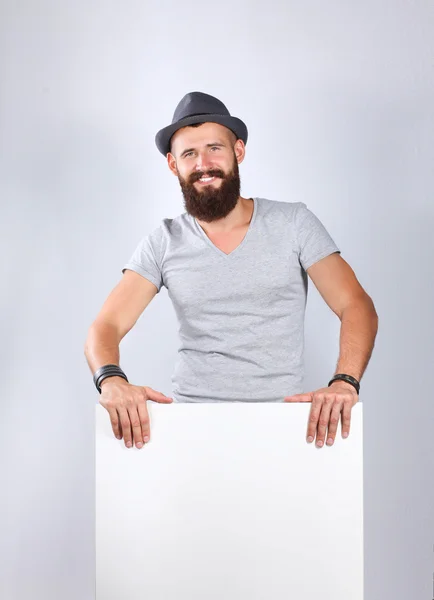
(205, 180)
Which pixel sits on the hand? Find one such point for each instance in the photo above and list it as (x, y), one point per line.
(327, 405)
(126, 405)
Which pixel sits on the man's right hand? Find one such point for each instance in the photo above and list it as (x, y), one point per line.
(126, 405)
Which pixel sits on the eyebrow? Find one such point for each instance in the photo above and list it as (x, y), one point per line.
(208, 146)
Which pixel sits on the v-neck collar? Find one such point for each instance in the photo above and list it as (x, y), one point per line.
(243, 241)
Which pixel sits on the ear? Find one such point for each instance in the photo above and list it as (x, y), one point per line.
(240, 150)
(171, 161)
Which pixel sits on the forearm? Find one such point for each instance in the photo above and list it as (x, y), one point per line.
(359, 325)
(102, 346)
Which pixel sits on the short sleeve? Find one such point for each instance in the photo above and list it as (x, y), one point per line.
(313, 240)
(145, 259)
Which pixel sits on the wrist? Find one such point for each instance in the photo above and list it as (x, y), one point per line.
(112, 379)
(108, 371)
(341, 383)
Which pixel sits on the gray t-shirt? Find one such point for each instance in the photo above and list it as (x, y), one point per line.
(241, 315)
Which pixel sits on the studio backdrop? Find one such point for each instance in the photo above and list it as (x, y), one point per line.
(338, 100)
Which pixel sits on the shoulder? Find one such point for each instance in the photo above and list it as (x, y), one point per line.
(290, 210)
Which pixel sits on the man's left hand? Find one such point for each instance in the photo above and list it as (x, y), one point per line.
(327, 405)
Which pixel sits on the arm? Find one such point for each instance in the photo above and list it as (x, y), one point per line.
(102, 348)
(117, 316)
(340, 289)
(359, 325)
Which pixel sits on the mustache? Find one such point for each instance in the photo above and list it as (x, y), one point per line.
(214, 173)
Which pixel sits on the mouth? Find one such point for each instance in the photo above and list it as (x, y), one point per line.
(206, 180)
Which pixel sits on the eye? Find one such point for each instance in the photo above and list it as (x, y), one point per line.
(214, 147)
(188, 153)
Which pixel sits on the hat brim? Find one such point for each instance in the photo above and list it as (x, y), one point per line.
(162, 139)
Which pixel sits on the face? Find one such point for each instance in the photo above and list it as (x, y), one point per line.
(210, 152)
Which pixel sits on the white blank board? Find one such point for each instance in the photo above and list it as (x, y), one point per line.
(229, 501)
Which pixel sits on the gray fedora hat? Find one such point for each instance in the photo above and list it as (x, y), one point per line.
(197, 107)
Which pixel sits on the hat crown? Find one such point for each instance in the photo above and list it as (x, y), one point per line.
(198, 103)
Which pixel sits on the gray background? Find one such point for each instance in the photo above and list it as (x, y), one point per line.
(338, 100)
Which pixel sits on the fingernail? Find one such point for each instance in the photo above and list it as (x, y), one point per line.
(330, 441)
(146, 438)
(128, 444)
(345, 435)
(310, 439)
(319, 444)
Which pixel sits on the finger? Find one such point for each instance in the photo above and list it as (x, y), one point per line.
(144, 421)
(152, 394)
(313, 418)
(298, 398)
(334, 422)
(135, 425)
(346, 419)
(114, 420)
(324, 419)
(165, 399)
(126, 426)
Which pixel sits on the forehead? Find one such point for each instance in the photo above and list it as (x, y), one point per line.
(187, 137)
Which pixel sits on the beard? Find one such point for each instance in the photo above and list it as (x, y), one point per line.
(211, 203)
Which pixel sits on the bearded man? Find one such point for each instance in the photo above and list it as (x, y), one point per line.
(236, 270)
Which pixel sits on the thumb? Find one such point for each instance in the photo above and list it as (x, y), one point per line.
(157, 396)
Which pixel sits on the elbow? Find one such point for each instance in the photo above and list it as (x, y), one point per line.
(372, 311)
(362, 304)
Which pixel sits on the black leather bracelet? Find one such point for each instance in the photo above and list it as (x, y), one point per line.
(348, 379)
(107, 371)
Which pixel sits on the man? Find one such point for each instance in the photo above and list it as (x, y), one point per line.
(236, 271)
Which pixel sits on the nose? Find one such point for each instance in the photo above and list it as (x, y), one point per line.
(203, 161)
